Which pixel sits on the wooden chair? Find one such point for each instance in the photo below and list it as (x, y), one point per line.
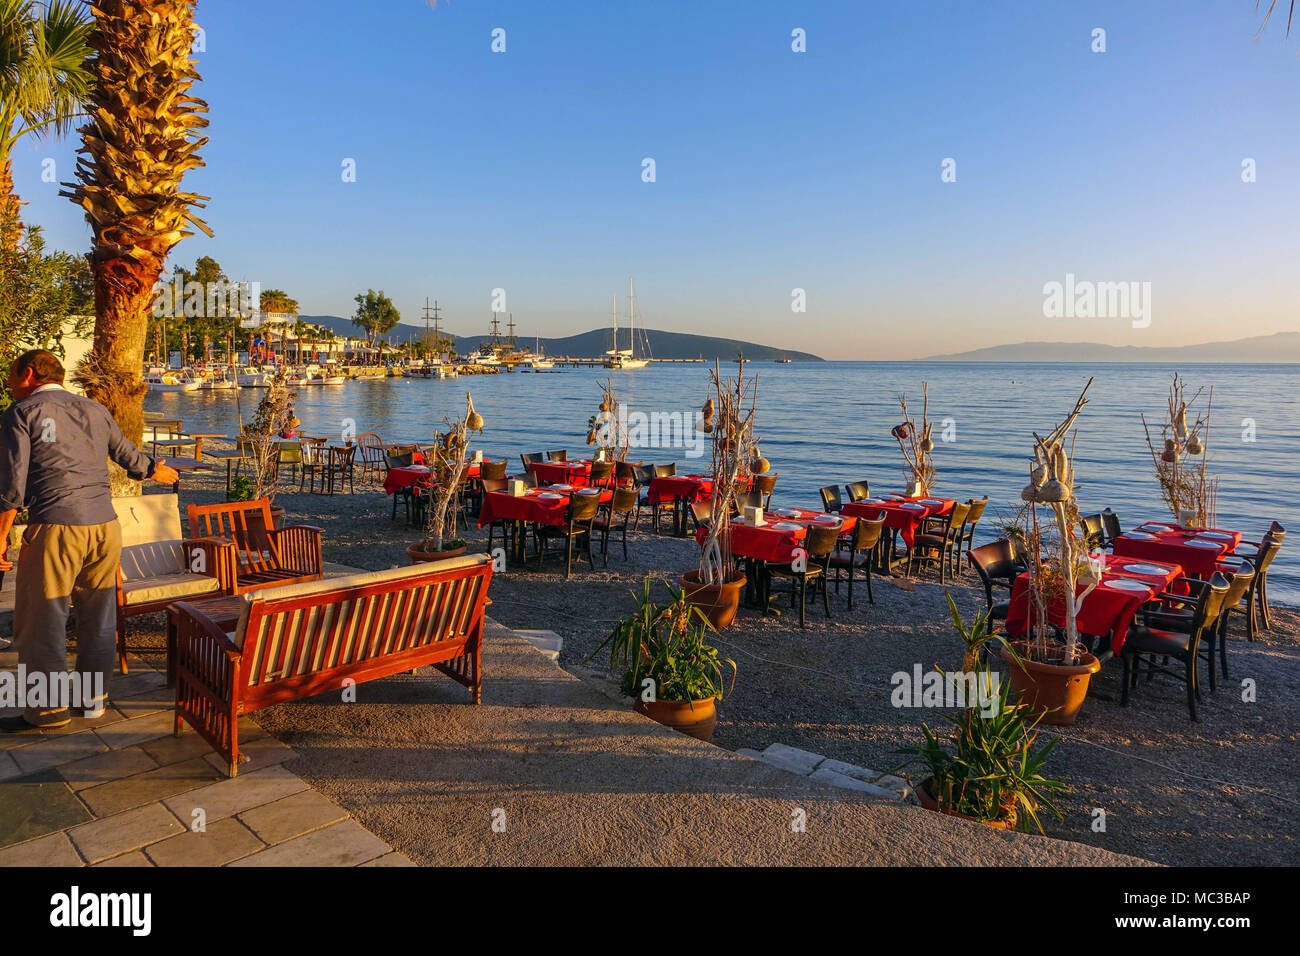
(1255, 607)
(666, 471)
(560, 455)
(940, 543)
(493, 470)
(159, 566)
(765, 485)
(374, 461)
(625, 472)
(530, 459)
(701, 513)
(831, 500)
(1179, 640)
(340, 467)
(314, 464)
(967, 533)
(601, 474)
(861, 553)
(820, 546)
(1178, 617)
(300, 640)
(264, 556)
(506, 527)
(579, 518)
(622, 505)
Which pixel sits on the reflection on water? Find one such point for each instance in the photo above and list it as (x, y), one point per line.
(828, 423)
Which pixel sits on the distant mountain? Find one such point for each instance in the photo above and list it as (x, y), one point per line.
(1281, 347)
(663, 345)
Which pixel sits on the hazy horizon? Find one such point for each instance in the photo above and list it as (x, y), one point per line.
(775, 170)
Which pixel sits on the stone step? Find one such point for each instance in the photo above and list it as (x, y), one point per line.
(548, 642)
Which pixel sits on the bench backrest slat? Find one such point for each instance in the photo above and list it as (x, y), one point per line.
(292, 636)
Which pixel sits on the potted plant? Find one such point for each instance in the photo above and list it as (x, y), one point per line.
(273, 416)
(447, 475)
(916, 444)
(1049, 675)
(675, 676)
(715, 586)
(1184, 484)
(988, 770)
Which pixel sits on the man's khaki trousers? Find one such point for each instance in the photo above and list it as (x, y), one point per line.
(62, 565)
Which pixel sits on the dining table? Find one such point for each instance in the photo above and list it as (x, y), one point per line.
(776, 540)
(681, 490)
(537, 506)
(1199, 551)
(418, 476)
(904, 516)
(576, 473)
(1108, 609)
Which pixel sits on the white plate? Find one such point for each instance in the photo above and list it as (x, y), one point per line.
(787, 526)
(588, 491)
(1139, 536)
(931, 501)
(1126, 584)
(788, 512)
(891, 497)
(872, 501)
(1208, 545)
(548, 496)
(913, 507)
(1153, 527)
(561, 487)
(827, 522)
(1215, 535)
(1142, 569)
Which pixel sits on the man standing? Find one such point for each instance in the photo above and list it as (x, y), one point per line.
(54, 451)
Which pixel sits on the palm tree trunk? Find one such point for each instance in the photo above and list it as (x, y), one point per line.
(11, 227)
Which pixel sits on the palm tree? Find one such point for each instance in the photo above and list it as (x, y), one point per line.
(140, 142)
(44, 79)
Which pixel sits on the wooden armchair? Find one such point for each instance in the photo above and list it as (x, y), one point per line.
(158, 566)
(261, 555)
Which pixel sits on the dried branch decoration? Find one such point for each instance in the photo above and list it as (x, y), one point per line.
(729, 418)
(449, 469)
(1186, 488)
(605, 429)
(916, 444)
(273, 417)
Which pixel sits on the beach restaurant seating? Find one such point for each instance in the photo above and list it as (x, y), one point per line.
(158, 566)
(996, 564)
(263, 556)
(303, 639)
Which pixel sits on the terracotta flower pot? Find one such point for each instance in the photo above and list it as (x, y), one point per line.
(418, 555)
(1054, 690)
(679, 715)
(719, 602)
(923, 793)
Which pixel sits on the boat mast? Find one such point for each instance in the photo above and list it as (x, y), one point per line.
(613, 300)
(631, 317)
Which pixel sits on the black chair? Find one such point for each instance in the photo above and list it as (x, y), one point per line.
(529, 479)
(861, 553)
(831, 500)
(820, 546)
(625, 472)
(1179, 639)
(750, 499)
(1094, 532)
(531, 459)
(560, 455)
(1110, 526)
(600, 474)
(858, 490)
(622, 505)
(997, 566)
(579, 518)
(701, 513)
(666, 471)
(506, 527)
(642, 475)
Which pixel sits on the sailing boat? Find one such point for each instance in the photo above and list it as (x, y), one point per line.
(625, 358)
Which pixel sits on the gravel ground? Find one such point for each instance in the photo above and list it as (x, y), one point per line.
(1221, 791)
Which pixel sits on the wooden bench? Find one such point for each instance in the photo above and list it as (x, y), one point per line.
(263, 556)
(303, 639)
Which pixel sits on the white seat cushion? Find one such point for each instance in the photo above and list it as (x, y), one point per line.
(167, 587)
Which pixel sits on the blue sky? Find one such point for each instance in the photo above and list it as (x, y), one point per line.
(775, 170)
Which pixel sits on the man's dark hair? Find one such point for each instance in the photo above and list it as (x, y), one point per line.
(44, 365)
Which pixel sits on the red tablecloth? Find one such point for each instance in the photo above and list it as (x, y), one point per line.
(1173, 545)
(767, 543)
(417, 476)
(531, 507)
(1106, 610)
(905, 514)
(688, 487)
(561, 472)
